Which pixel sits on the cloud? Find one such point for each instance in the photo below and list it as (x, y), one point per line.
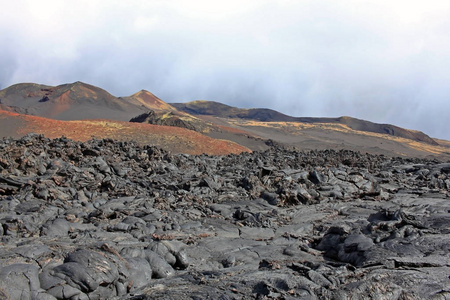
(384, 61)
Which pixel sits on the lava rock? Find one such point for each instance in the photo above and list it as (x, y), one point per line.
(106, 219)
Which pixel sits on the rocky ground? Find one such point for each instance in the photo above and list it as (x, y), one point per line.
(117, 220)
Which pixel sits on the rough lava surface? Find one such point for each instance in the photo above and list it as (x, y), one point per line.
(118, 220)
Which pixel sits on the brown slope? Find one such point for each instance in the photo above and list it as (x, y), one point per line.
(267, 115)
(174, 139)
(310, 136)
(81, 101)
(75, 101)
(362, 125)
(149, 101)
(202, 125)
(443, 143)
(211, 108)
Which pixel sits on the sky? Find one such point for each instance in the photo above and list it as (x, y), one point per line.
(382, 61)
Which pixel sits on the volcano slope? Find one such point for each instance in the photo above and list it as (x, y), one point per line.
(94, 112)
(178, 140)
(118, 220)
(308, 133)
(74, 101)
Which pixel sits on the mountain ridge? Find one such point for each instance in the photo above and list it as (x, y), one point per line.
(252, 128)
(148, 100)
(268, 115)
(72, 101)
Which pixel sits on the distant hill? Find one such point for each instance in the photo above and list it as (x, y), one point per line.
(211, 108)
(267, 115)
(194, 127)
(149, 101)
(74, 101)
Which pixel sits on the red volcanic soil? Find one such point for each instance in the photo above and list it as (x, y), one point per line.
(174, 139)
(10, 122)
(64, 104)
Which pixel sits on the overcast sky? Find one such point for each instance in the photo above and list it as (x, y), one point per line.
(383, 61)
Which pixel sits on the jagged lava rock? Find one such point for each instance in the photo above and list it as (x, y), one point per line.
(119, 220)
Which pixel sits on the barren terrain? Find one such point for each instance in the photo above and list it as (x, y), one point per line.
(103, 219)
(105, 197)
(252, 129)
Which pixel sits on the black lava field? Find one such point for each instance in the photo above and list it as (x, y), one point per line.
(118, 220)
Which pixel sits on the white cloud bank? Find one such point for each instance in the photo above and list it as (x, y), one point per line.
(384, 61)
